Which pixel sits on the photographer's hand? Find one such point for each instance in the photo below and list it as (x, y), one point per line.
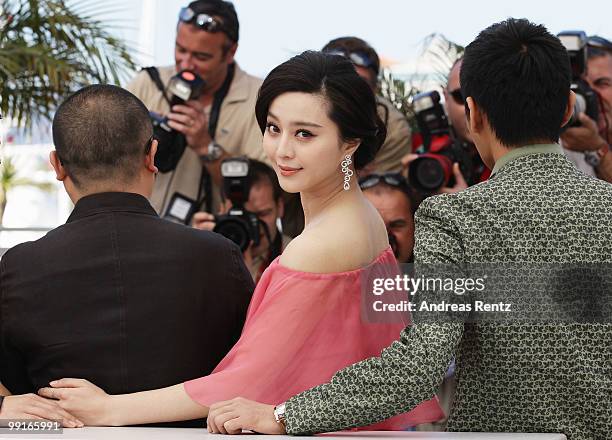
(460, 183)
(604, 170)
(190, 119)
(583, 138)
(204, 221)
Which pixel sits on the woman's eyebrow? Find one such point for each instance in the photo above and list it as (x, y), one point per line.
(300, 123)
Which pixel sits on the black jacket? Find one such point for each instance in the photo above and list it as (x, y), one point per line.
(120, 297)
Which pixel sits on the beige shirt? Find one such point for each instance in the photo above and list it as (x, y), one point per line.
(237, 132)
(398, 142)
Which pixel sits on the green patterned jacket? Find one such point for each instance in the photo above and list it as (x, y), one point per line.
(537, 207)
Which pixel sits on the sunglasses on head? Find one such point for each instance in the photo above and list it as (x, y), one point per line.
(395, 180)
(357, 58)
(599, 43)
(205, 22)
(457, 96)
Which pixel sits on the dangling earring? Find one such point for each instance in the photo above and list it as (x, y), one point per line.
(347, 171)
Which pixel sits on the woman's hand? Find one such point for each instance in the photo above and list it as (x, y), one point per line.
(89, 403)
(232, 416)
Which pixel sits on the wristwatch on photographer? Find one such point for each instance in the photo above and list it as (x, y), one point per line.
(279, 415)
(215, 151)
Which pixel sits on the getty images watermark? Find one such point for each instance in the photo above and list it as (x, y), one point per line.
(517, 292)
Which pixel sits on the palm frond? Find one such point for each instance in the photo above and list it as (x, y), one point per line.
(50, 48)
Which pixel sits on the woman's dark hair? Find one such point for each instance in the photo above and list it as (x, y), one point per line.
(352, 104)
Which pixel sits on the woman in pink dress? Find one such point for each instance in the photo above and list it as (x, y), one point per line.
(305, 320)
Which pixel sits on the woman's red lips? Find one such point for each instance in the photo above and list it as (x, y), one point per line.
(288, 171)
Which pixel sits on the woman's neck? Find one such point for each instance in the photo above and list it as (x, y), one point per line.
(316, 202)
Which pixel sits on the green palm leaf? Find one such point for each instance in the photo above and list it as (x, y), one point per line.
(50, 48)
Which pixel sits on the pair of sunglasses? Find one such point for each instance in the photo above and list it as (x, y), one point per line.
(395, 180)
(205, 22)
(599, 43)
(357, 58)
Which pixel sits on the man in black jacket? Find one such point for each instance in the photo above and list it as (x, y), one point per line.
(117, 295)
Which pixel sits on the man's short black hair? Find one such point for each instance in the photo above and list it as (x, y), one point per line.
(260, 172)
(101, 134)
(519, 74)
(222, 9)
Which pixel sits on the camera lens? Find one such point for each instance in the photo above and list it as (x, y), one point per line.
(427, 174)
(236, 230)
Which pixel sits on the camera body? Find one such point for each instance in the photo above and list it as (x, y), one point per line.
(239, 225)
(575, 43)
(433, 169)
(184, 86)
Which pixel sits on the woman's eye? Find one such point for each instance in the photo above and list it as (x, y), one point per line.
(272, 128)
(303, 133)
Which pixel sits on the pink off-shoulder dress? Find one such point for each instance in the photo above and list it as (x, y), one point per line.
(300, 329)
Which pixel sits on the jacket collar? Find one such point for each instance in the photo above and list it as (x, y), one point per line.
(527, 150)
(110, 202)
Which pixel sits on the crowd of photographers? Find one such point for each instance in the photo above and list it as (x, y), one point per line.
(203, 113)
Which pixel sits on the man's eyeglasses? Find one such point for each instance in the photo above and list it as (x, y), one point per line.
(149, 144)
(457, 96)
(205, 22)
(395, 180)
(357, 58)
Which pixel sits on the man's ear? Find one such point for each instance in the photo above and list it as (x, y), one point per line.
(229, 56)
(150, 157)
(56, 163)
(569, 110)
(474, 116)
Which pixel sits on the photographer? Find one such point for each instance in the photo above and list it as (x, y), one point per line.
(455, 109)
(367, 64)
(395, 202)
(221, 122)
(591, 135)
(266, 202)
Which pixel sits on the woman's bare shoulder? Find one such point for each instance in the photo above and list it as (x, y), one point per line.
(328, 249)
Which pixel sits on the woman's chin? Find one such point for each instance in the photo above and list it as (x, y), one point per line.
(290, 187)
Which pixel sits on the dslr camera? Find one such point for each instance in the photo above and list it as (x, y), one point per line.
(433, 169)
(575, 43)
(184, 86)
(239, 225)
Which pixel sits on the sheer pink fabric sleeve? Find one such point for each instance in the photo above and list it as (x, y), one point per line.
(300, 329)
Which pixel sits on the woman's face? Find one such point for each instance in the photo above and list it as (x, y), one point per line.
(303, 144)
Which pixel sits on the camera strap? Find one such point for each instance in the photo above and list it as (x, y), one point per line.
(220, 95)
(154, 75)
(205, 189)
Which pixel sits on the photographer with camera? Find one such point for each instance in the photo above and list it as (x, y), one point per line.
(203, 107)
(587, 141)
(263, 205)
(395, 202)
(367, 64)
(451, 138)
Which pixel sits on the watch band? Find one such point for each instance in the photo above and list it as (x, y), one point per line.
(214, 152)
(279, 414)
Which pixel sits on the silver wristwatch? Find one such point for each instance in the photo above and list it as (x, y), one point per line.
(279, 414)
(214, 152)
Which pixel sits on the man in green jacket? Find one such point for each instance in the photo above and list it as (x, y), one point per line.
(536, 208)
